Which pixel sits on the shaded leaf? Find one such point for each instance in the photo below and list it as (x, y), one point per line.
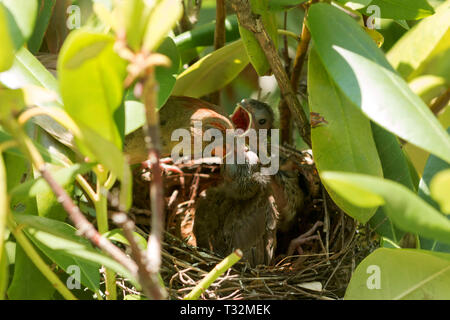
(167, 77)
(28, 283)
(395, 167)
(60, 243)
(361, 71)
(280, 5)
(43, 19)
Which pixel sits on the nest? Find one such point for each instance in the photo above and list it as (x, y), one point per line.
(321, 271)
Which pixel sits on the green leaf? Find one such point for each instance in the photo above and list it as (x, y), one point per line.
(4, 207)
(117, 235)
(428, 87)
(4, 273)
(63, 176)
(281, 5)
(254, 51)
(60, 243)
(433, 166)
(425, 43)
(134, 115)
(162, 19)
(91, 78)
(212, 72)
(28, 283)
(135, 19)
(440, 190)
(27, 70)
(21, 18)
(203, 35)
(401, 9)
(345, 143)
(404, 207)
(43, 19)
(361, 71)
(405, 274)
(59, 251)
(355, 4)
(7, 52)
(395, 167)
(167, 77)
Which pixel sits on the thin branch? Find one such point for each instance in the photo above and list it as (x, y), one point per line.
(441, 102)
(300, 55)
(84, 227)
(253, 23)
(219, 39)
(153, 144)
(147, 279)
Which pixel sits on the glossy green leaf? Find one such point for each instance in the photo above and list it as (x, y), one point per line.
(362, 72)
(162, 19)
(212, 72)
(7, 52)
(255, 53)
(401, 9)
(419, 48)
(21, 18)
(440, 190)
(91, 78)
(395, 167)
(42, 21)
(167, 77)
(60, 243)
(402, 274)
(345, 143)
(409, 212)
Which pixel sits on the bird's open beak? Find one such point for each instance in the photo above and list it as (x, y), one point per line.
(241, 118)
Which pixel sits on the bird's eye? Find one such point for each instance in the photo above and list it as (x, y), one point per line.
(262, 121)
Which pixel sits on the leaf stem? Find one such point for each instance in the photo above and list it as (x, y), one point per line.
(218, 270)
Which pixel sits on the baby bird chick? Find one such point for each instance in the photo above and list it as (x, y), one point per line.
(238, 214)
